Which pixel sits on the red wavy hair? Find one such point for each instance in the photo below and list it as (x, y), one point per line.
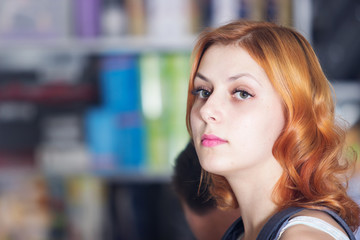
(311, 147)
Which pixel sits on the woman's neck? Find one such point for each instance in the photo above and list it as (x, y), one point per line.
(253, 191)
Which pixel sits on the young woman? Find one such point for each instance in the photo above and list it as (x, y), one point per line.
(261, 114)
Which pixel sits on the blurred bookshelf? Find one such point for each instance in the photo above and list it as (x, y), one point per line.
(66, 67)
(92, 108)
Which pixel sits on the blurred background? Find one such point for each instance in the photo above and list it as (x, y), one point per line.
(92, 106)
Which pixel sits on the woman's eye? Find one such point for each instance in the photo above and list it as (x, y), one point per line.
(241, 94)
(202, 93)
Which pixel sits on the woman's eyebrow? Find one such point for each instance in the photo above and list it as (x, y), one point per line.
(232, 78)
(202, 77)
(237, 76)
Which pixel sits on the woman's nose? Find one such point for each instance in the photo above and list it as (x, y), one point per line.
(211, 110)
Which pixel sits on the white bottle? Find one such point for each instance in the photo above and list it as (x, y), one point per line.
(113, 19)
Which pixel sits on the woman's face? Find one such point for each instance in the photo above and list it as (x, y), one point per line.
(237, 115)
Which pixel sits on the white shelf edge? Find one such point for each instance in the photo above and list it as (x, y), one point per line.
(135, 176)
(124, 43)
(347, 90)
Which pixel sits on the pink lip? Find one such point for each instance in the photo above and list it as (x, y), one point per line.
(211, 140)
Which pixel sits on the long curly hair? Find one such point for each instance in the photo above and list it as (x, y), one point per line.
(311, 147)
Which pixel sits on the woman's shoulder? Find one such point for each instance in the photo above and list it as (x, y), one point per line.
(302, 232)
(312, 224)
